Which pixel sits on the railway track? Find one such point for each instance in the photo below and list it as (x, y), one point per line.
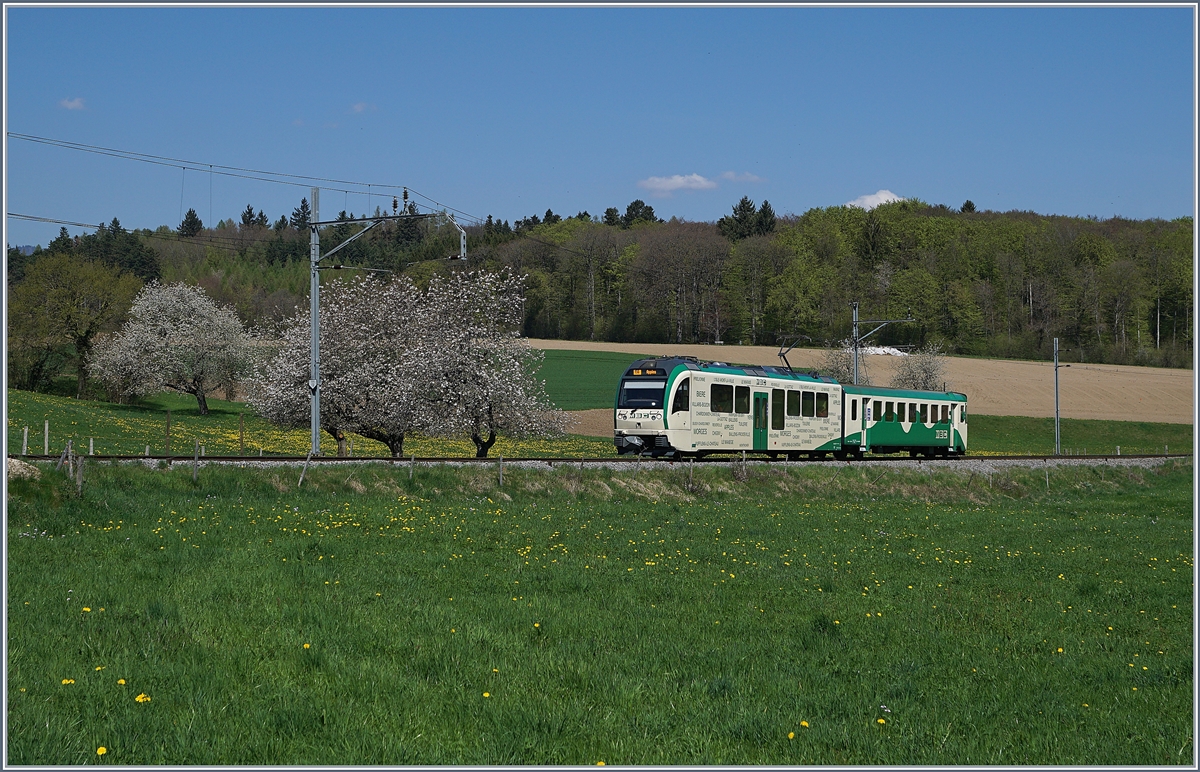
(401, 461)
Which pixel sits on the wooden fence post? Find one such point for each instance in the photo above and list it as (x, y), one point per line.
(241, 434)
(196, 461)
(25, 443)
(91, 446)
(46, 438)
(502, 471)
(168, 432)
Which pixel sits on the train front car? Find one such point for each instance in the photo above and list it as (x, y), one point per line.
(640, 422)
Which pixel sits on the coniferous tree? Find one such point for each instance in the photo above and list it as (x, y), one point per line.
(638, 211)
(301, 215)
(281, 223)
(968, 206)
(551, 217)
(260, 219)
(764, 221)
(191, 225)
(612, 216)
(63, 243)
(248, 216)
(742, 223)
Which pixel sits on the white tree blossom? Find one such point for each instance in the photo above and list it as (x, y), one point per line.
(395, 360)
(365, 383)
(486, 382)
(177, 338)
(839, 364)
(923, 369)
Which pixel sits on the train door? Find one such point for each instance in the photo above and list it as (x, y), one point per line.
(760, 420)
(681, 404)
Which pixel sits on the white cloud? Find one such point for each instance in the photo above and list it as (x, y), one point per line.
(72, 104)
(743, 177)
(362, 107)
(873, 200)
(665, 186)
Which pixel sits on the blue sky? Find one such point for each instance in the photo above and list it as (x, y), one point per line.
(508, 111)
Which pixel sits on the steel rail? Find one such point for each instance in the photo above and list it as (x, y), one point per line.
(395, 460)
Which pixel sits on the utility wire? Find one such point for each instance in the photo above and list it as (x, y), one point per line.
(230, 171)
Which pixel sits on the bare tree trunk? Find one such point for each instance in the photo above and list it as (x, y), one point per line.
(482, 446)
(201, 402)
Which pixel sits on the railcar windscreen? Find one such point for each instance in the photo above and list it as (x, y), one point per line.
(641, 394)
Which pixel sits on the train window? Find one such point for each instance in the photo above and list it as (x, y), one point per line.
(722, 398)
(912, 412)
(888, 412)
(741, 400)
(777, 409)
(854, 410)
(682, 403)
(641, 394)
(878, 414)
(822, 405)
(945, 414)
(808, 405)
(924, 412)
(793, 402)
(962, 414)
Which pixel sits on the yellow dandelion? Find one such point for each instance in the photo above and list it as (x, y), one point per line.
(495, 670)
(881, 721)
(68, 681)
(487, 694)
(537, 624)
(101, 751)
(791, 735)
(1060, 649)
(306, 646)
(143, 697)
(804, 724)
(121, 681)
(100, 667)
(599, 763)
(86, 608)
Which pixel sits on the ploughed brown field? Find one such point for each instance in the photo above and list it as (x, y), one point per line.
(992, 386)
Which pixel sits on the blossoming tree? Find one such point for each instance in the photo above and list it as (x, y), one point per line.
(396, 360)
(176, 337)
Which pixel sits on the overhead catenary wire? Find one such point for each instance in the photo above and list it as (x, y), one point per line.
(235, 171)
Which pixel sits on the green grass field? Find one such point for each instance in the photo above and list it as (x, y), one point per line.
(804, 615)
(583, 380)
(127, 429)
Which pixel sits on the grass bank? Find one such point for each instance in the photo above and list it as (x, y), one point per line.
(230, 428)
(804, 615)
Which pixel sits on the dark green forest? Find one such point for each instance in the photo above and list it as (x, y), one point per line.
(999, 284)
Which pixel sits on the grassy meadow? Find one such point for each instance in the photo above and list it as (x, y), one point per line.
(230, 428)
(807, 614)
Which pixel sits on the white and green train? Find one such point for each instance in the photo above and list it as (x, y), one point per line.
(681, 406)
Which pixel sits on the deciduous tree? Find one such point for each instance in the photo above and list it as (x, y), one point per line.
(176, 337)
(66, 299)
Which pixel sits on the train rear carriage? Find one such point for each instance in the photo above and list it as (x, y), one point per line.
(927, 423)
(681, 406)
